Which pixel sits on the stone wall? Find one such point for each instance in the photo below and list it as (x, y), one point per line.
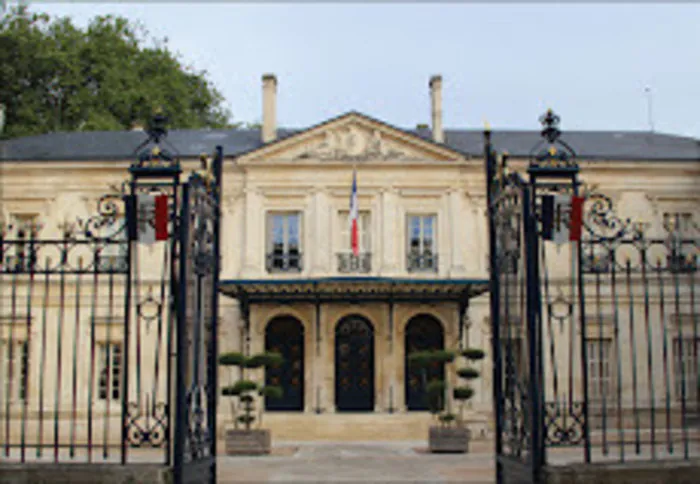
(85, 474)
(660, 472)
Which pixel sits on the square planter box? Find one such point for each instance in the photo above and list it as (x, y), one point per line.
(449, 439)
(248, 442)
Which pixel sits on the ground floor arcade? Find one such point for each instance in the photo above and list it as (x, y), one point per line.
(346, 341)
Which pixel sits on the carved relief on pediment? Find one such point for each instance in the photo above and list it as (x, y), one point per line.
(352, 144)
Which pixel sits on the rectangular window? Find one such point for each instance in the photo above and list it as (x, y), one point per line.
(14, 368)
(681, 222)
(110, 370)
(422, 253)
(364, 231)
(347, 261)
(682, 254)
(114, 249)
(685, 367)
(284, 242)
(600, 353)
(24, 228)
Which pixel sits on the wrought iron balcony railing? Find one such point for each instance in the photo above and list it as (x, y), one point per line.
(116, 263)
(286, 262)
(680, 261)
(425, 262)
(349, 262)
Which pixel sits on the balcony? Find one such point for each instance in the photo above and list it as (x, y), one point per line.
(683, 262)
(349, 262)
(284, 262)
(425, 262)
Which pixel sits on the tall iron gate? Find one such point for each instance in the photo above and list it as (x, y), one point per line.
(595, 339)
(107, 347)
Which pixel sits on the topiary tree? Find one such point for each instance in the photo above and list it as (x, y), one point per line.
(244, 389)
(437, 389)
(465, 392)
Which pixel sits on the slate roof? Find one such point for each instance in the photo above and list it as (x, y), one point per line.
(120, 145)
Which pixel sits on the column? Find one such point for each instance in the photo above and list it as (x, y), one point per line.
(317, 393)
(459, 224)
(390, 368)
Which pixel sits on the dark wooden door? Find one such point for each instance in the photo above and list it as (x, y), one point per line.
(423, 333)
(285, 335)
(354, 365)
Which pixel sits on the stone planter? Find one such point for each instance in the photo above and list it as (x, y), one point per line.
(248, 442)
(449, 439)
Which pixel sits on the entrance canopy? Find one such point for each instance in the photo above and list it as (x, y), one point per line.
(353, 289)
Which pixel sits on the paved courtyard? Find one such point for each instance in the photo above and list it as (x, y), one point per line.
(360, 462)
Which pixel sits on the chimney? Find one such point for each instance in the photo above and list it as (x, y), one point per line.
(436, 108)
(269, 124)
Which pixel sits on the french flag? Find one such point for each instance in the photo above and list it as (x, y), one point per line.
(354, 234)
(562, 218)
(152, 218)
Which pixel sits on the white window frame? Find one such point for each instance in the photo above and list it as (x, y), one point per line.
(689, 369)
(113, 254)
(600, 369)
(106, 361)
(269, 243)
(14, 376)
(422, 217)
(364, 227)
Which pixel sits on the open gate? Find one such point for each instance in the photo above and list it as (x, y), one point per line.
(194, 216)
(515, 314)
(107, 343)
(595, 334)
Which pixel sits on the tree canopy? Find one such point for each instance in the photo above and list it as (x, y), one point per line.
(110, 75)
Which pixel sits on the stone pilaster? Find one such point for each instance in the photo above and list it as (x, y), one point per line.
(390, 227)
(458, 224)
(254, 251)
(475, 247)
(321, 240)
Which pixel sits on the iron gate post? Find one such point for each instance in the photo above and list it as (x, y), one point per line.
(181, 341)
(534, 332)
(212, 367)
(494, 291)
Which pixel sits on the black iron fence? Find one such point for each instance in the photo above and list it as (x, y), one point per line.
(62, 332)
(621, 340)
(107, 347)
(596, 331)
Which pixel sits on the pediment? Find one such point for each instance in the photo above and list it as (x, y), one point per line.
(352, 138)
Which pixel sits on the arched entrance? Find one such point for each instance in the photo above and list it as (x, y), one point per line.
(354, 365)
(423, 332)
(285, 335)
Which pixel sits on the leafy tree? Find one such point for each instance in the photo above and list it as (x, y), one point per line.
(55, 76)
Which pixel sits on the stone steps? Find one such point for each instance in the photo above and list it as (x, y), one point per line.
(349, 427)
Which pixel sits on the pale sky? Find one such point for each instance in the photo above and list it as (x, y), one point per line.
(505, 62)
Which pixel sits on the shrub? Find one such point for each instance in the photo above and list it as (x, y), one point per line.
(244, 389)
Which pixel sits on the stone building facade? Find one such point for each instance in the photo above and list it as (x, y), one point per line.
(290, 282)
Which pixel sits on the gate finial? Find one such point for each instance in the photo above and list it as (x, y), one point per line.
(551, 152)
(157, 156)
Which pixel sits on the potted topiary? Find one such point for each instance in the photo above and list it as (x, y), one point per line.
(450, 434)
(242, 438)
